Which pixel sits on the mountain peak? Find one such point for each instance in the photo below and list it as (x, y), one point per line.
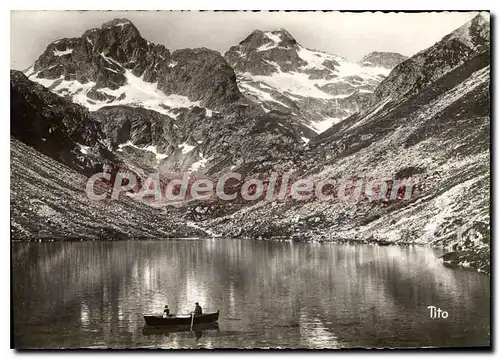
(482, 16)
(422, 69)
(266, 40)
(475, 33)
(124, 31)
(281, 37)
(282, 32)
(117, 23)
(386, 60)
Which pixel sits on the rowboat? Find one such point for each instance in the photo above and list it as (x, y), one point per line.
(181, 319)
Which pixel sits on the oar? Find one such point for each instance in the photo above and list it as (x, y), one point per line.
(192, 321)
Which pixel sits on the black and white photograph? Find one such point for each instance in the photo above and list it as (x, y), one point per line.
(250, 179)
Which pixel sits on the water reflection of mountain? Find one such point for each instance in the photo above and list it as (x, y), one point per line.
(269, 293)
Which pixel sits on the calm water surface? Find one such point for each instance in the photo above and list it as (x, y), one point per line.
(270, 294)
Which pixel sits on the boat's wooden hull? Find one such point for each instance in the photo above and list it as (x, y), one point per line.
(179, 320)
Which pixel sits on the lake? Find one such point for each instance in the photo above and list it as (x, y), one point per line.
(270, 294)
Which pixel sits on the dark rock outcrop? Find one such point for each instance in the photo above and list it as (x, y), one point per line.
(55, 126)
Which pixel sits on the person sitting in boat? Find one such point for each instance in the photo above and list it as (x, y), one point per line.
(166, 312)
(197, 309)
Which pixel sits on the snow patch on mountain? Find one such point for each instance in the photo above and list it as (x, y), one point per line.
(139, 93)
(62, 53)
(347, 69)
(185, 148)
(117, 23)
(198, 164)
(323, 125)
(295, 83)
(84, 149)
(273, 37)
(135, 93)
(253, 89)
(314, 59)
(122, 24)
(29, 71)
(152, 149)
(110, 60)
(304, 85)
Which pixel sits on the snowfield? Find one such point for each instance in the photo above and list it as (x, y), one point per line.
(135, 93)
(322, 92)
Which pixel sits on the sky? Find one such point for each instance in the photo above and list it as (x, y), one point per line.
(351, 35)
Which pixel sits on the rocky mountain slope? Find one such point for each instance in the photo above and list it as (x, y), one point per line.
(436, 134)
(205, 142)
(317, 88)
(55, 146)
(428, 65)
(174, 111)
(48, 202)
(56, 127)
